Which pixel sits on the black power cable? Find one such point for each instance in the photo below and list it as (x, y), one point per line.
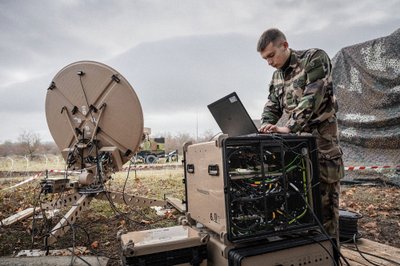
(354, 241)
(321, 226)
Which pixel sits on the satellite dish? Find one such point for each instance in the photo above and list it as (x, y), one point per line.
(91, 110)
(96, 120)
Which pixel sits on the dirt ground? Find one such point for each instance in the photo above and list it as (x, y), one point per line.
(379, 206)
(95, 232)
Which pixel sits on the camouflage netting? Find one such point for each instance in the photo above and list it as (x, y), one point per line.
(366, 80)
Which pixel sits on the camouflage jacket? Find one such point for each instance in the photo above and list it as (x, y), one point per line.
(303, 90)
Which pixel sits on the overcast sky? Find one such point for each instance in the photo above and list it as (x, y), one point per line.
(178, 55)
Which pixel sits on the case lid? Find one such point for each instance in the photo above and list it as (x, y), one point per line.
(161, 239)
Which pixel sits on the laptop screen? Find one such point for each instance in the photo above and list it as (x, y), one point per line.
(232, 117)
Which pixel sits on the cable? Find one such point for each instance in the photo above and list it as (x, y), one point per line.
(61, 194)
(321, 226)
(248, 191)
(125, 214)
(73, 254)
(85, 243)
(34, 217)
(98, 165)
(305, 193)
(126, 179)
(119, 212)
(88, 243)
(76, 256)
(215, 136)
(294, 164)
(319, 243)
(84, 94)
(354, 241)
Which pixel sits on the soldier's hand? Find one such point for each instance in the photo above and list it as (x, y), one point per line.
(269, 128)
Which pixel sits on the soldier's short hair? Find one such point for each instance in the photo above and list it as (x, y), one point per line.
(268, 36)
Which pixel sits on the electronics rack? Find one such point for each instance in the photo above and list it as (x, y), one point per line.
(253, 187)
(250, 200)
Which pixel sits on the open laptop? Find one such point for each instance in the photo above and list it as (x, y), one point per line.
(232, 117)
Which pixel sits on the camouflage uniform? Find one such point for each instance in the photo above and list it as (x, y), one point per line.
(304, 91)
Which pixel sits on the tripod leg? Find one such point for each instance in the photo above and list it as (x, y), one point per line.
(69, 218)
(65, 201)
(56, 204)
(18, 216)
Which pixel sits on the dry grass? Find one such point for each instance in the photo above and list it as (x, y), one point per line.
(40, 163)
(150, 183)
(100, 223)
(379, 205)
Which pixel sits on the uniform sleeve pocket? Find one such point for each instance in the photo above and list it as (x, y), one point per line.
(314, 70)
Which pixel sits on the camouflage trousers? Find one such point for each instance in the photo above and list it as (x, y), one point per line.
(330, 207)
(329, 151)
(331, 171)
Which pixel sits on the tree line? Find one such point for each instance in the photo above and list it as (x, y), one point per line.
(30, 144)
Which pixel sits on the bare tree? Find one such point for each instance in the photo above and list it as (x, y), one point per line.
(8, 148)
(30, 142)
(207, 136)
(48, 148)
(175, 142)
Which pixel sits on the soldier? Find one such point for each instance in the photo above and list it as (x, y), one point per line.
(302, 87)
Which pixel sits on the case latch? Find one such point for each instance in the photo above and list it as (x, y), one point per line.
(190, 168)
(213, 169)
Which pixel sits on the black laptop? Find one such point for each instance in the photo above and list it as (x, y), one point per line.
(232, 117)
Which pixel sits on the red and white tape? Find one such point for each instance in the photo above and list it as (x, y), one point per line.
(355, 168)
(24, 182)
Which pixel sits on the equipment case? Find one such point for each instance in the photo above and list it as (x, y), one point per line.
(177, 245)
(252, 187)
(315, 250)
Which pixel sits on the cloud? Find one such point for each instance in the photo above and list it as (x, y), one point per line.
(178, 55)
(190, 72)
(25, 97)
(14, 123)
(177, 78)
